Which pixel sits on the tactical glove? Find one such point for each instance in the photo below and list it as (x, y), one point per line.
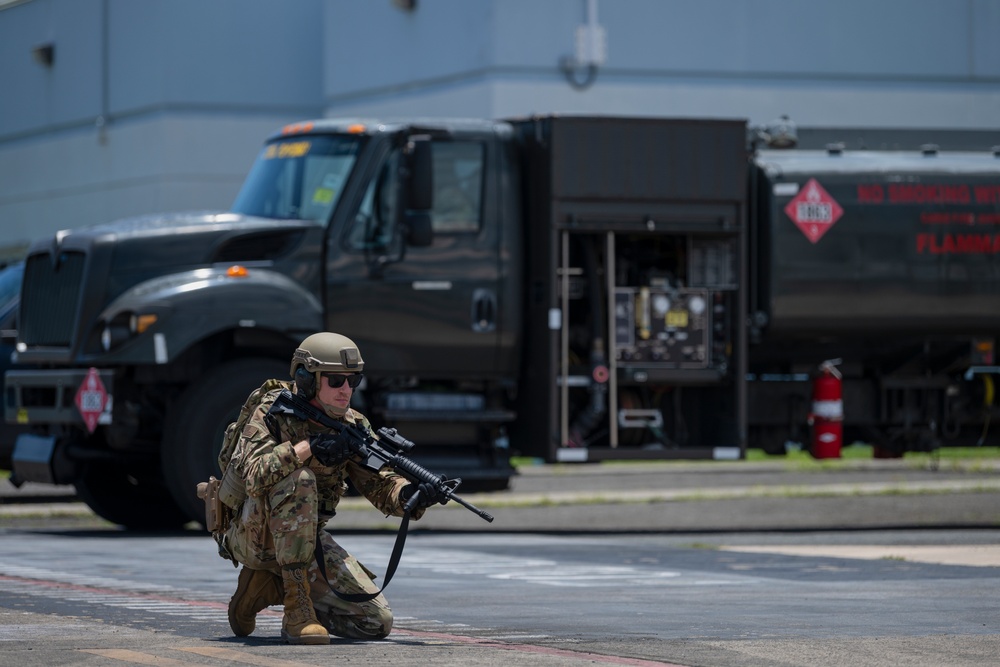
(429, 494)
(330, 449)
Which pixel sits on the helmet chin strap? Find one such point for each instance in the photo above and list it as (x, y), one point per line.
(332, 410)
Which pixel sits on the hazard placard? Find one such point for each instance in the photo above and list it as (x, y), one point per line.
(813, 210)
(91, 399)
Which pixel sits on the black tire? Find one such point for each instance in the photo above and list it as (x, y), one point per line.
(196, 423)
(772, 440)
(136, 499)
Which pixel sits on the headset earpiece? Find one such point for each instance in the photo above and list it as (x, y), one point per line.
(305, 382)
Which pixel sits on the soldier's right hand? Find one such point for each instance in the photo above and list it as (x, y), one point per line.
(330, 449)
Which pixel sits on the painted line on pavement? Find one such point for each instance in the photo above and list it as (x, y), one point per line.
(972, 555)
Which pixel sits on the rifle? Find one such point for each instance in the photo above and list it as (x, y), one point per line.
(371, 454)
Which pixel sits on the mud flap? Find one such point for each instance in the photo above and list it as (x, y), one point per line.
(39, 458)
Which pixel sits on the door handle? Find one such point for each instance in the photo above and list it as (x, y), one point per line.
(484, 310)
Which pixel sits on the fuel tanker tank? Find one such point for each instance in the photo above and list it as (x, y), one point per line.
(888, 262)
(857, 243)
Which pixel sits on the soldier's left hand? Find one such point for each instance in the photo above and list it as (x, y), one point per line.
(429, 494)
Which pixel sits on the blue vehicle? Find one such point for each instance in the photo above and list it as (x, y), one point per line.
(11, 276)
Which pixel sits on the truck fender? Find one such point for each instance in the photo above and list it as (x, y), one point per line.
(193, 305)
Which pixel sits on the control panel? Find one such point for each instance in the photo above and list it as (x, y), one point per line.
(663, 328)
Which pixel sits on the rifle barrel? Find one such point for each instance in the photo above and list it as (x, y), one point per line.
(469, 506)
(407, 467)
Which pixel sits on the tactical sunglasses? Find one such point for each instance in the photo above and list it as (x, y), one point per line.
(337, 381)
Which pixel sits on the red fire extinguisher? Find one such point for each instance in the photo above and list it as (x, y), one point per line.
(827, 415)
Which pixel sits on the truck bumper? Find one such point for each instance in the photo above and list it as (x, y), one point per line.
(39, 397)
(45, 401)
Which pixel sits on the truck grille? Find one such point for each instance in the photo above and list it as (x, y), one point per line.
(49, 298)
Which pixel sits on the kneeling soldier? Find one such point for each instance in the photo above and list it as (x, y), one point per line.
(295, 473)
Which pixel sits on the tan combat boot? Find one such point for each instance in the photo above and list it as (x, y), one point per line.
(256, 590)
(299, 626)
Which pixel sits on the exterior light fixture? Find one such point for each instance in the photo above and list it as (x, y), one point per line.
(44, 54)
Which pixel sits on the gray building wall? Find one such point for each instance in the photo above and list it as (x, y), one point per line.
(148, 105)
(843, 63)
(158, 105)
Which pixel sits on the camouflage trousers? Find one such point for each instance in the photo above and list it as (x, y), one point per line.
(280, 530)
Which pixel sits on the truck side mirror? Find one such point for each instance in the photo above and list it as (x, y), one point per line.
(420, 174)
(418, 230)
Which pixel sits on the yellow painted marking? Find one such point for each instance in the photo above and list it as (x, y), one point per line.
(137, 658)
(240, 656)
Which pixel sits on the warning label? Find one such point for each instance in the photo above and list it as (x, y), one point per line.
(813, 210)
(91, 399)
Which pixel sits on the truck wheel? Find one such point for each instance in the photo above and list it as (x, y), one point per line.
(135, 499)
(196, 422)
(771, 440)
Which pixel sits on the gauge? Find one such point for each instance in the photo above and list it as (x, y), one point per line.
(697, 305)
(661, 304)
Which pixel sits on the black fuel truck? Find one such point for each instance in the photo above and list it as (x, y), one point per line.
(567, 288)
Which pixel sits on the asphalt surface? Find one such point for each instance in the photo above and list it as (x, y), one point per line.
(676, 496)
(746, 502)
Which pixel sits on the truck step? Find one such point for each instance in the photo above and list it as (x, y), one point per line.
(490, 416)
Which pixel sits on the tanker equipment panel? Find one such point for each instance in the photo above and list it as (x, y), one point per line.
(635, 237)
(662, 328)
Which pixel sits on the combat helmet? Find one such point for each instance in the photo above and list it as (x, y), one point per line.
(325, 352)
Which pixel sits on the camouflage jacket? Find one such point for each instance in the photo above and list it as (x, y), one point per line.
(263, 458)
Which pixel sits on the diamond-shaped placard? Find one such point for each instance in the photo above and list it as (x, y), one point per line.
(813, 210)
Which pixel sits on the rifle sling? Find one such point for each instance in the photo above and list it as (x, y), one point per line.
(397, 552)
(397, 549)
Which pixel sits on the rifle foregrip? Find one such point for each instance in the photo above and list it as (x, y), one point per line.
(415, 471)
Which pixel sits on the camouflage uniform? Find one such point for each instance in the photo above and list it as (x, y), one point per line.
(288, 504)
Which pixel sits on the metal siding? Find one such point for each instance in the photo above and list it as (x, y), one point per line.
(648, 160)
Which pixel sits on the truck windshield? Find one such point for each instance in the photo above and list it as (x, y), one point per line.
(298, 178)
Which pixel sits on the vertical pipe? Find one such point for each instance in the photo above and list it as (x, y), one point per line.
(742, 315)
(592, 54)
(609, 270)
(564, 342)
(105, 115)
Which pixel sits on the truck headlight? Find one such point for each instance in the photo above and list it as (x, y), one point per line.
(124, 326)
(113, 335)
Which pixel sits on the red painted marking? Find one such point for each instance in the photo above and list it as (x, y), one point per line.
(458, 639)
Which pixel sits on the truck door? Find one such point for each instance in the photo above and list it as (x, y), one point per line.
(434, 312)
